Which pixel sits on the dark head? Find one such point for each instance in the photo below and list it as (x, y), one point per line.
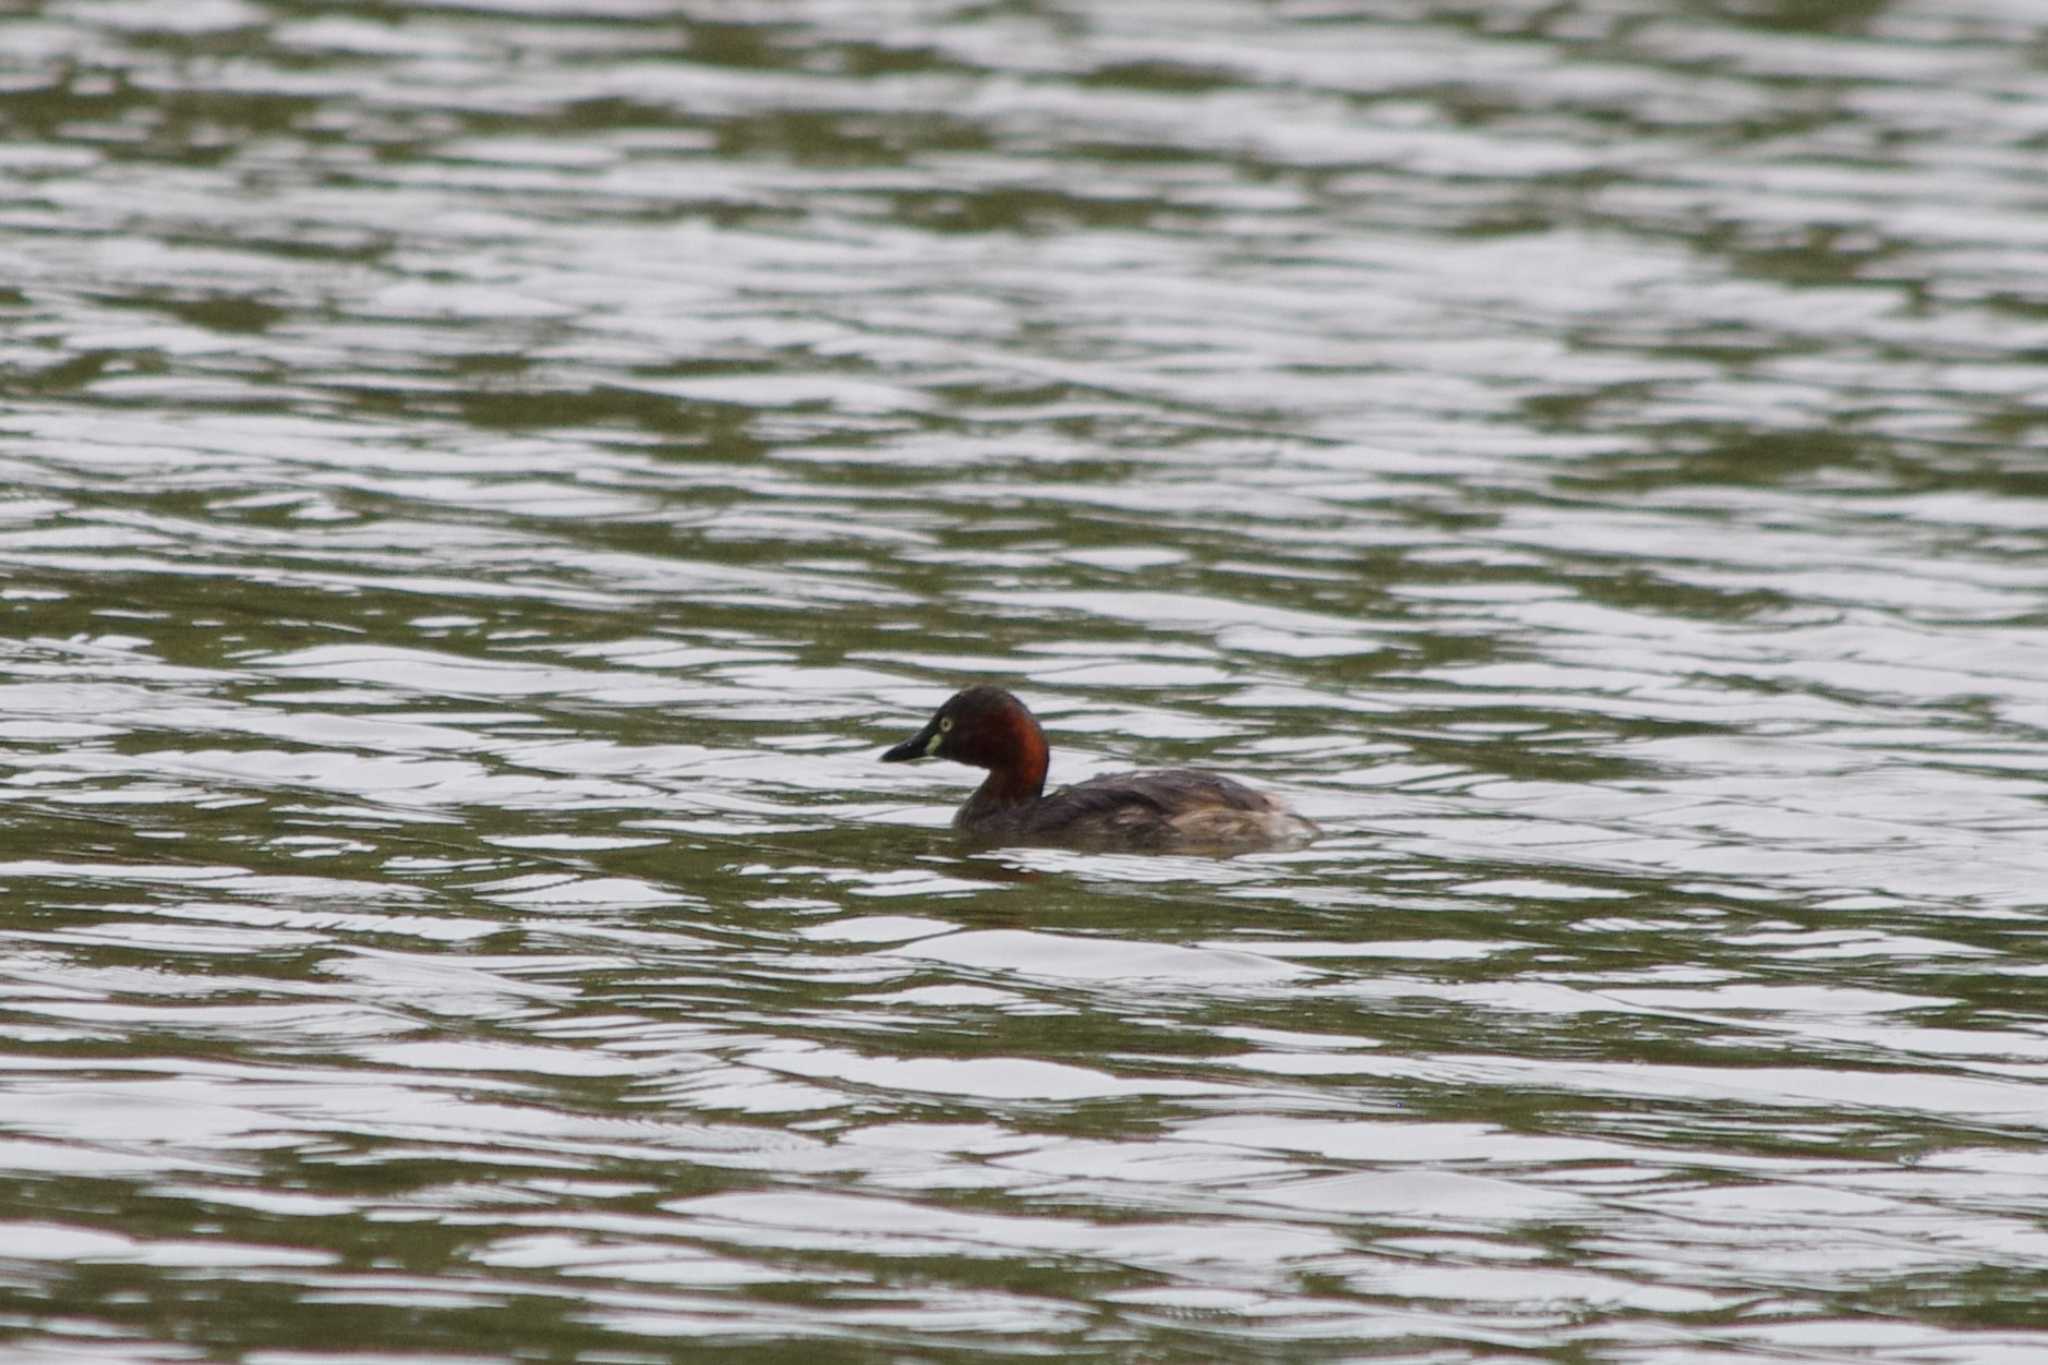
(984, 727)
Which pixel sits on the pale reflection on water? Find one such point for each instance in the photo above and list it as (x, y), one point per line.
(482, 485)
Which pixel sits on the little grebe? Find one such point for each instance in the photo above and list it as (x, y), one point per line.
(1170, 809)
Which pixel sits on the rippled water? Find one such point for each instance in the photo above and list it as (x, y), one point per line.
(484, 481)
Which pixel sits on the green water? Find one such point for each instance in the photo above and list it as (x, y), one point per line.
(480, 485)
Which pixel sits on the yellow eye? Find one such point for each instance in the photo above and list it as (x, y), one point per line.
(945, 723)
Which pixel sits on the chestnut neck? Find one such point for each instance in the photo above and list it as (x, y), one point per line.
(1016, 773)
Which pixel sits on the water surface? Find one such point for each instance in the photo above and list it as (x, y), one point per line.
(483, 482)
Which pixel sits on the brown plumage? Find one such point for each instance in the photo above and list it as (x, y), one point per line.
(1157, 810)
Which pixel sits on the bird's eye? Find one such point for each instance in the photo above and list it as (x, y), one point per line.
(945, 723)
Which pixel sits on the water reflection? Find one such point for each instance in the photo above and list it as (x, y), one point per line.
(482, 484)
